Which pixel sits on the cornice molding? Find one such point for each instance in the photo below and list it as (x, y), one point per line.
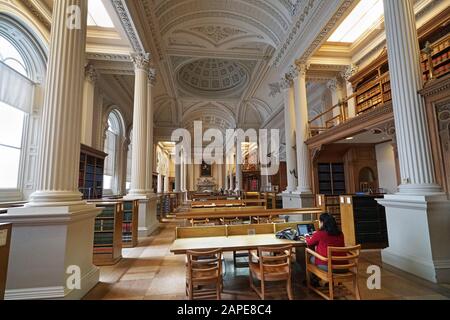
(435, 86)
(108, 57)
(38, 12)
(325, 32)
(127, 23)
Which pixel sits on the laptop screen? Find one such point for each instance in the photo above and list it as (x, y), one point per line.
(305, 229)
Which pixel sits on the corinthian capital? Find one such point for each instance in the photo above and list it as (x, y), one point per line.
(302, 68)
(292, 73)
(152, 76)
(140, 60)
(332, 84)
(349, 71)
(90, 73)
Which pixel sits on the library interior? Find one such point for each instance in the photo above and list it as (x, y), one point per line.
(225, 150)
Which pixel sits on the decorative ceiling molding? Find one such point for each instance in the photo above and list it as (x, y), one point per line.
(308, 5)
(218, 33)
(325, 32)
(108, 57)
(40, 12)
(123, 13)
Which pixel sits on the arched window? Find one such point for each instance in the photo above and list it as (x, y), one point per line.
(112, 147)
(22, 66)
(10, 56)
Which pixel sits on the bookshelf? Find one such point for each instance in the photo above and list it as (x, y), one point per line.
(363, 221)
(5, 242)
(130, 223)
(331, 178)
(90, 179)
(372, 85)
(435, 58)
(108, 233)
(331, 205)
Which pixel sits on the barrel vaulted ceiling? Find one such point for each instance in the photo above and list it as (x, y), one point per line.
(213, 57)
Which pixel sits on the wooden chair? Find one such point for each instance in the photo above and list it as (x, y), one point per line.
(204, 268)
(337, 273)
(269, 265)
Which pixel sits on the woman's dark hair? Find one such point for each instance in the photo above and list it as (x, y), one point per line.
(329, 224)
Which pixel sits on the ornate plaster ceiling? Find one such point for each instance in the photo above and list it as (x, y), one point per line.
(213, 77)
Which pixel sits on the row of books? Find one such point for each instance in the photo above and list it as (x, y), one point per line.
(108, 212)
(127, 227)
(103, 238)
(104, 225)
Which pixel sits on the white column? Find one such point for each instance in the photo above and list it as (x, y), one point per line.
(289, 131)
(55, 230)
(166, 182)
(139, 151)
(238, 167)
(227, 177)
(177, 178)
(301, 122)
(149, 155)
(351, 103)
(336, 95)
(159, 183)
(88, 105)
(231, 172)
(418, 218)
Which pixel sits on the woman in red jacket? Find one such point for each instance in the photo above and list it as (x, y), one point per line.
(328, 235)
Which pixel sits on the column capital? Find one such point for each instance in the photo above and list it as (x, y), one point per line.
(350, 71)
(90, 73)
(302, 68)
(332, 84)
(285, 83)
(140, 60)
(152, 76)
(292, 73)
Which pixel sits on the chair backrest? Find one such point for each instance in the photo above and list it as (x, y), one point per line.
(344, 258)
(201, 264)
(244, 229)
(272, 259)
(201, 231)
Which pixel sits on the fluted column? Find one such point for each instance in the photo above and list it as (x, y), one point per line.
(238, 167)
(149, 166)
(227, 178)
(183, 175)
(413, 141)
(87, 114)
(351, 103)
(289, 131)
(139, 151)
(159, 184)
(177, 178)
(301, 122)
(166, 183)
(231, 173)
(58, 164)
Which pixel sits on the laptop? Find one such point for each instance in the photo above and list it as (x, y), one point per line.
(305, 229)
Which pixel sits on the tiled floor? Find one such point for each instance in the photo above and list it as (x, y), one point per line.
(150, 271)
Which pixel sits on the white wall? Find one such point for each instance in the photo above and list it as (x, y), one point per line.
(387, 175)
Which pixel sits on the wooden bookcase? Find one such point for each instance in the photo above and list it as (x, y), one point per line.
(108, 233)
(130, 223)
(5, 242)
(363, 221)
(90, 180)
(331, 205)
(331, 178)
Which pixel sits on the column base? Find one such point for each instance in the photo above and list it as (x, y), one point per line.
(148, 221)
(418, 235)
(45, 242)
(297, 200)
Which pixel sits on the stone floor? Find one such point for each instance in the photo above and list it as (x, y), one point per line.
(151, 272)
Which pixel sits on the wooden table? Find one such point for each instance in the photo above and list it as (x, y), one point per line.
(231, 243)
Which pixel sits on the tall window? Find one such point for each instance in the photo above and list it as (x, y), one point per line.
(10, 56)
(129, 154)
(111, 148)
(11, 131)
(11, 118)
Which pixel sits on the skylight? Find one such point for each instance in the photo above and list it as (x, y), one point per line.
(363, 17)
(97, 15)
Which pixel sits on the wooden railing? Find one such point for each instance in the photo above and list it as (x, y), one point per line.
(330, 118)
